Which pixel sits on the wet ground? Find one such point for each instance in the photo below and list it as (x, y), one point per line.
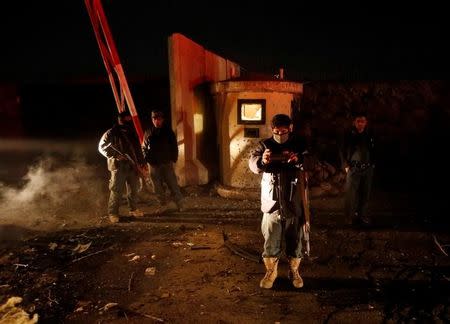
(177, 267)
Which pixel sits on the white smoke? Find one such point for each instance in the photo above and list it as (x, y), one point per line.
(55, 192)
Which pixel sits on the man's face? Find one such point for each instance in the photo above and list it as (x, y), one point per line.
(360, 124)
(281, 133)
(157, 121)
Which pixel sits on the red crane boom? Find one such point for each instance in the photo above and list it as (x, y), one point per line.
(110, 57)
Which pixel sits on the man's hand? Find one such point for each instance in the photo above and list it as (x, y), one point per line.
(266, 156)
(346, 169)
(292, 157)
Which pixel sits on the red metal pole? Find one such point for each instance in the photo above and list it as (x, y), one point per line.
(112, 63)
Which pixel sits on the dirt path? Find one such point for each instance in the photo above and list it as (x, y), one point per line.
(162, 269)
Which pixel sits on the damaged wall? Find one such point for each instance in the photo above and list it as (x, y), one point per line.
(191, 67)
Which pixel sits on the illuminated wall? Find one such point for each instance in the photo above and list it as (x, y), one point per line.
(237, 140)
(191, 68)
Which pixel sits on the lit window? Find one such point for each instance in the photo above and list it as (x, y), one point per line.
(251, 111)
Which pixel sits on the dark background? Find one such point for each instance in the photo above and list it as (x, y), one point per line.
(49, 50)
(53, 40)
(50, 53)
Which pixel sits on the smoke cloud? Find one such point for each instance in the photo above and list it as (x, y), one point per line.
(55, 193)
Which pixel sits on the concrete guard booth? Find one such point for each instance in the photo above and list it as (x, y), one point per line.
(219, 116)
(244, 109)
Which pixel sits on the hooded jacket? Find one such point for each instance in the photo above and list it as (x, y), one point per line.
(123, 139)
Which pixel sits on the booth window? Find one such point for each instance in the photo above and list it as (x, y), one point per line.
(251, 111)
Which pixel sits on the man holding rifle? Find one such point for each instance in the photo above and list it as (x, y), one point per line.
(126, 164)
(279, 158)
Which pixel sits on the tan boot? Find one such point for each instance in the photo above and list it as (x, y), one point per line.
(294, 264)
(271, 272)
(113, 218)
(136, 213)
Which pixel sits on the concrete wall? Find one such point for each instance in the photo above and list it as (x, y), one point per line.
(234, 147)
(191, 68)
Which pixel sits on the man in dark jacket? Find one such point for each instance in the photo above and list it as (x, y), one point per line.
(358, 161)
(121, 147)
(276, 157)
(161, 152)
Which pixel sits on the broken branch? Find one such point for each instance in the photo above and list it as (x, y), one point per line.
(439, 246)
(237, 250)
(91, 254)
(153, 318)
(130, 280)
(198, 247)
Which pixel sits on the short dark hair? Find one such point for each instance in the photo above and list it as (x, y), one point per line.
(157, 113)
(359, 113)
(281, 120)
(123, 114)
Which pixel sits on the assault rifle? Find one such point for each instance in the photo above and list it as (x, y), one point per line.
(302, 182)
(304, 195)
(127, 157)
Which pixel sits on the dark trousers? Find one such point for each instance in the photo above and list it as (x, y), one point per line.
(164, 173)
(358, 186)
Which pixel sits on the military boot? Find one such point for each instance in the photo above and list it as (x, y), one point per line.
(294, 264)
(271, 272)
(113, 218)
(136, 213)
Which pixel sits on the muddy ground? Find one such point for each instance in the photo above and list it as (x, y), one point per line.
(177, 267)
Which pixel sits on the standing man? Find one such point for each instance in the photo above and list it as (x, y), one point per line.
(358, 161)
(121, 147)
(161, 152)
(276, 157)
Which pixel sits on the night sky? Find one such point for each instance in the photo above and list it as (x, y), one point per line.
(53, 40)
